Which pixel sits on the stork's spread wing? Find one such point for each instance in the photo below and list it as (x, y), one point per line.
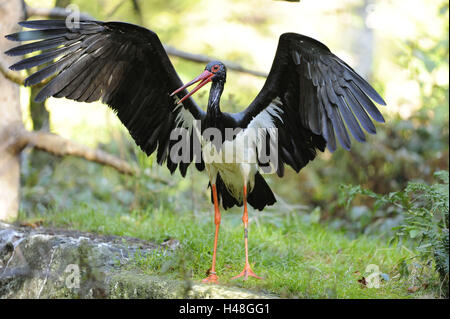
(123, 65)
(309, 96)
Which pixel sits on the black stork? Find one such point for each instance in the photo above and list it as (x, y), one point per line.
(310, 97)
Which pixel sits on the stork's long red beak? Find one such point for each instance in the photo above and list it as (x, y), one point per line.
(205, 78)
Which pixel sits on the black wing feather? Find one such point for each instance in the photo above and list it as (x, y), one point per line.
(121, 64)
(321, 96)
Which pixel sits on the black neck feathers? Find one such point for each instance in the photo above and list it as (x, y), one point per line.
(213, 113)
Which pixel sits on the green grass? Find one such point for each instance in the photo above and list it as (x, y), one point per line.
(297, 259)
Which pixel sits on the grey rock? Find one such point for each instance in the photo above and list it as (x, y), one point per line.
(54, 263)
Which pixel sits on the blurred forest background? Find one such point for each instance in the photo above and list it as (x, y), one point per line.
(401, 47)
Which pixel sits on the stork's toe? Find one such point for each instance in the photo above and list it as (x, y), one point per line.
(247, 272)
(211, 279)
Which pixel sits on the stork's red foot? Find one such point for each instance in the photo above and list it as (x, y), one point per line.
(247, 272)
(211, 279)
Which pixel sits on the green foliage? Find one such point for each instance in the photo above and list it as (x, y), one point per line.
(52, 182)
(404, 149)
(425, 218)
(428, 54)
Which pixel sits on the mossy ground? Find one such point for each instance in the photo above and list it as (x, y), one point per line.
(296, 259)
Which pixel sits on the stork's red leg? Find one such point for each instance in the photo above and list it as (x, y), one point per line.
(247, 269)
(212, 278)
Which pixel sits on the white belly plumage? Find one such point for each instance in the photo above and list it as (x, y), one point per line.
(237, 160)
(237, 166)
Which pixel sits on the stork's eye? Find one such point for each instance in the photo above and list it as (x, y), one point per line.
(215, 68)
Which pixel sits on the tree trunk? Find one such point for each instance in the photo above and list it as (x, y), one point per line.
(39, 114)
(38, 111)
(11, 12)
